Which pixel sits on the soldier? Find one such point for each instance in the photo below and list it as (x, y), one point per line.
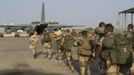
(98, 38)
(125, 49)
(116, 52)
(68, 43)
(84, 51)
(53, 42)
(58, 40)
(100, 33)
(33, 43)
(107, 46)
(130, 35)
(74, 50)
(46, 42)
(74, 33)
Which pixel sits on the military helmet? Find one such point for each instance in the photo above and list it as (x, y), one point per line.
(99, 30)
(101, 24)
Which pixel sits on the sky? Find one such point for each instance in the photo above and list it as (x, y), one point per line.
(78, 12)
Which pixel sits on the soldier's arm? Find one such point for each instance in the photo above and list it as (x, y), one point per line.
(50, 37)
(98, 50)
(78, 41)
(30, 40)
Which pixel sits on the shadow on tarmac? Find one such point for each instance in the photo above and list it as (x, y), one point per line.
(25, 72)
(24, 69)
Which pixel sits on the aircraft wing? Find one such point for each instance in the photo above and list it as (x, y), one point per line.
(24, 25)
(63, 26)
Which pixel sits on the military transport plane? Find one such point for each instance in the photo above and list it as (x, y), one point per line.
(32, 26)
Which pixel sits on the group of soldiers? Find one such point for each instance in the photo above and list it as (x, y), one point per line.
(111, 51)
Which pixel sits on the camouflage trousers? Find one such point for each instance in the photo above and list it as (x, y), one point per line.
(59, 55)
(83, 60)
(34, 48)
(47, 49)
(132, 68)
(69, 59)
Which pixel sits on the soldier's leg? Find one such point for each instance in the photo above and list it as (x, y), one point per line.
(44, 48)
(82, 64)
(103, 67)
(59, 56)
(132, 68)
(45, 51)
(49, 53)
(88, 65)
(66, 58)
(69, 60)
(49, 50)
(34, 51)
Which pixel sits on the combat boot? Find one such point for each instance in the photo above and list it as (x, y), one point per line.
(34, 56)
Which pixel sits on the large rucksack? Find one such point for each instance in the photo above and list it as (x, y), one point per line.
(68, 42)
(108, 44)
(119, 49)
(123, 47)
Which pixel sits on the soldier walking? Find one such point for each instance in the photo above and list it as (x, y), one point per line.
(46, 42)
(84, 52)
(116, 52)
(58, 40)
(33, 43)
(107, 46)
(130, 36)
(68, 43)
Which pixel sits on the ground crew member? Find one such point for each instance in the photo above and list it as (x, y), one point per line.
(33, 43)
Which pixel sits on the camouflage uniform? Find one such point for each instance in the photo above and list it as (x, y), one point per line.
(130, 36)
(55, 45)
(68, 43)
(46, 43)
(58, 40)
(53, 42)
(74, 50)
(84, 54)
(108, 45)
(33, 43)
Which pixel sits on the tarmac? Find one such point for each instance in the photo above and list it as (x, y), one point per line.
(16, 59)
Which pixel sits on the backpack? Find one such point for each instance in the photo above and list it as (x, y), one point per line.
(108, 42)
(108, 51)
(46, 37)
(123, 47)
(119, 49)
(68, 42)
